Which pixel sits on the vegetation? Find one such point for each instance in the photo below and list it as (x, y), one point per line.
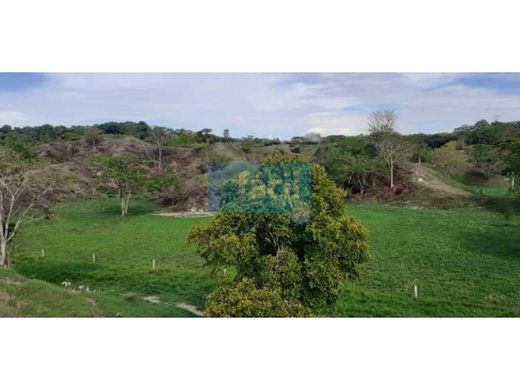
(463, 261)
(121, 278)
(121, 174)
(292, 266)
(20, 191)
(448, 225)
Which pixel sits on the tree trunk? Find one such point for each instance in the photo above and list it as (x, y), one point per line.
(513, 180)
(122, 206)
(391, 173)
(126, 202)
(160, 159)
(4, 261)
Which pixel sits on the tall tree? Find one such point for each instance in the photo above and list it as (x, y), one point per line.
(387, 142)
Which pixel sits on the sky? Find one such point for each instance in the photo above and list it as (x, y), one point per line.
(275, 105)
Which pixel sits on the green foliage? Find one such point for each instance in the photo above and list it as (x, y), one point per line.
(92, 136)
(352, 164)
(140, 129)
(512, 159)
(244, 299)
(485, 157)
(120, 174)
(302, 263)
(22, 149)
(450, 161)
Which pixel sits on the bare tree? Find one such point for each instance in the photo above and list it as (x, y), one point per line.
(19, 194)
(387, 142)
(160, 137)
(382, 120)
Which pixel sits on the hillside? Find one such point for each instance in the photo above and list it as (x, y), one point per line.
(23, 297)
(417, 184)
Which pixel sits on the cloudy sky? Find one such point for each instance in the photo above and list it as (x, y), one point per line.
(261, 104)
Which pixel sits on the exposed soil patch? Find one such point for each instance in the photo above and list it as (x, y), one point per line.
(192, 309)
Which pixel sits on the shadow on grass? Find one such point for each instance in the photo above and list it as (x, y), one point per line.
(497, 240)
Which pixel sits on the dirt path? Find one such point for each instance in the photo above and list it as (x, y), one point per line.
(192, 309)
(424, 178)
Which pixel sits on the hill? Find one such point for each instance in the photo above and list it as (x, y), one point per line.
(23, 297)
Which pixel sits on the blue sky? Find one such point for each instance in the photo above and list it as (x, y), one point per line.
(261, 104)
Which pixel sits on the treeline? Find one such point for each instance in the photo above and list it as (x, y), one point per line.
(34, 135)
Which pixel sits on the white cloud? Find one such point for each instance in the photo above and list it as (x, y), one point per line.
(278, 105)
(333, 131)
(12, 116)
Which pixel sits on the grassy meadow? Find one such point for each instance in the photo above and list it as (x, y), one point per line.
(465, 262)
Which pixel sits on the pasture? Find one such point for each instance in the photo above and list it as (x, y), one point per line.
(464, 262)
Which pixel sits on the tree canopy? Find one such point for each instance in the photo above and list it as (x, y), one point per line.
(271, 264)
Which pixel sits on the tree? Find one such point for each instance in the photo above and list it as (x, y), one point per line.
(159, 137)
(276, 263)
(351, 164)
(382, 121)
(512, 161)
(485, 157)
(20, 191)
(387, 142)
(122, 174)
(92, 136)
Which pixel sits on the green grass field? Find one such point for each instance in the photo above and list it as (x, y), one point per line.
(464, 262)
(122, 275)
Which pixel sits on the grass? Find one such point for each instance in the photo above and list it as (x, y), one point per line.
(122, 275)
(23, 297)
(465, 262)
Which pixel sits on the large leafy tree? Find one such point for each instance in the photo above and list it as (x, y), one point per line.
(276, 264)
